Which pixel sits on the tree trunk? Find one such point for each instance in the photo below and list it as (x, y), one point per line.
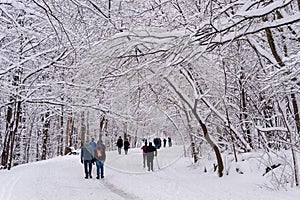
(67, 143)
(211, 143)
(193, 149)
(13, 136)
(102, 127)
(28, 143)
(8, 132)
(281, 64)
(292, 138)
(82, 129)
(45, 135)
(296, 169)
(203, 126)
(61, 128)
(296, 112)
(72, 131)
(243, 107)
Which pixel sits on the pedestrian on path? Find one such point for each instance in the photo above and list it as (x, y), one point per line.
(170, 141)
(100, 157)
(93, 143)
(165, 142)
(144, 150)
(151, 152)
(87, 155)
(120, 144)
(126, 145)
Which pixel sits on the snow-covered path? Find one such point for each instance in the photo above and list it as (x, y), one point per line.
(61, 178)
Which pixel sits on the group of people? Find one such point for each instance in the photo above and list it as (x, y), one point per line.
(157, 142)
(149, 151)
(91, 153)
(120, 144)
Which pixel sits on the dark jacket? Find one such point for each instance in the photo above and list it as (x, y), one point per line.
(120, 143)
(151, 150)
(126, 145)
(100, 152)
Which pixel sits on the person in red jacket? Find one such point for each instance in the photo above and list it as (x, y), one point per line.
(100, 157)
(144, 149)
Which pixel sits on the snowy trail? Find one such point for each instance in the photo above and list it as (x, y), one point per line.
(59, 178)
(62, 178)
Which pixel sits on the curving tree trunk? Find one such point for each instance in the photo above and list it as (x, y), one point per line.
(211, 143)
(202, 125)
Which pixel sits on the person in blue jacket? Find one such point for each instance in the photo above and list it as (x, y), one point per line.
(93, 143)
(87, 155)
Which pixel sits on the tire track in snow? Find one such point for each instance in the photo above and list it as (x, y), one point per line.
(120, 192)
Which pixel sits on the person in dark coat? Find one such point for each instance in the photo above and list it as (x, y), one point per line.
(120, 144)
(87, 156)
(126, 146)
(100, 157)
(165, 142)
(151, 152)
(170, 141)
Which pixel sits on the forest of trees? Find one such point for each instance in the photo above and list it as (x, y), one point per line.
(225, 73)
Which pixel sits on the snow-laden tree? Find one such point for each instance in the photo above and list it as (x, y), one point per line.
(168, 61)
(259, 50)
(240, 35)
(220, 71)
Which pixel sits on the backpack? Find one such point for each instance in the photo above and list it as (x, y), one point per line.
(99, 152)
(144, 148)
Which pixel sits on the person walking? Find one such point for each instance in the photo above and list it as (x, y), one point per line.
(170, 141)
(120, 144)
(126, 146)
(100, 157)
(144, 150)
(93, 143)
(165, 142)
(87, 156)
(151, 152)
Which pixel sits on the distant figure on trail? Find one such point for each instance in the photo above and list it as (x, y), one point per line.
(120, 144)
(169, 141)
(144, 150)
(151, 152)
(93, 143)
(144, 140)
(87, 155)
(157, 142)
(165, 142)
(126, 145)
(100, 157)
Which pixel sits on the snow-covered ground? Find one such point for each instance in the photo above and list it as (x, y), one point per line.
(62, 178)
